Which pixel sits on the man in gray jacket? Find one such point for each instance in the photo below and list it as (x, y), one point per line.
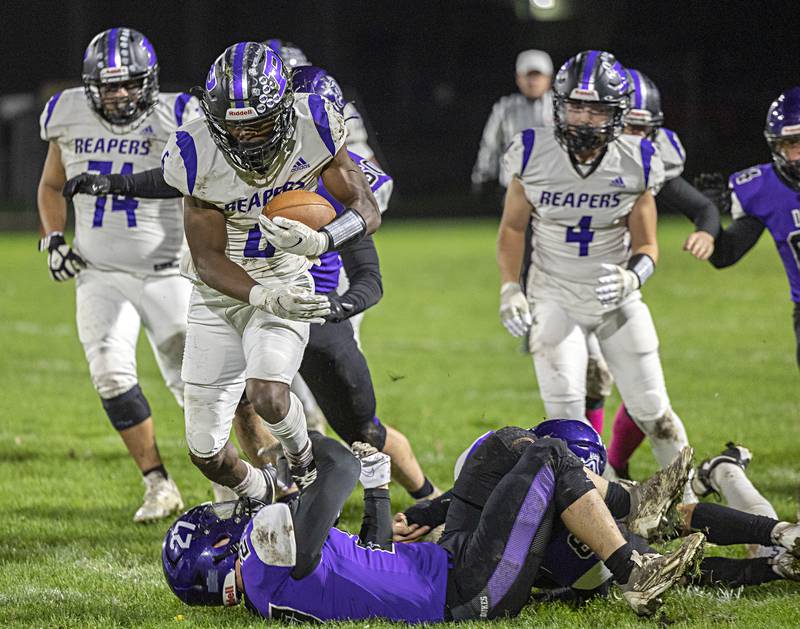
(531, 107)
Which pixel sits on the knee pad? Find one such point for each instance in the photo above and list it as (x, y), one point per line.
(372, 432)
(127, 410)
(648, 407)
(209, 415)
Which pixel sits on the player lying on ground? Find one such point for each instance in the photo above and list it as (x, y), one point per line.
(570, 571)
(291, 560)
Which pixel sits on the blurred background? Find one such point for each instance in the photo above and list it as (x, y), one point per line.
(424, 73)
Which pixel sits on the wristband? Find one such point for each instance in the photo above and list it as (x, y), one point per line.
(643, 266)
(44, 243)
(346, 227)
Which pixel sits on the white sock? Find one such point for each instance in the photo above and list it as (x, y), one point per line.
(667, 437)
(733, 485)
(254, 484)
(291, 431)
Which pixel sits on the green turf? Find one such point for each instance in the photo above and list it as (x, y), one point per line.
(445, 370)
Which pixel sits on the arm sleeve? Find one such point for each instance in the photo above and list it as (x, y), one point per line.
(679, 195)
(361, 262)
(733, 242)
(318, 507)
(430, 512)
(148, 184)
(487, 165)
(376, 526)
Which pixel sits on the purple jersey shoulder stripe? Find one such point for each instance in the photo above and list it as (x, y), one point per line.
(588, 68)
(526, 524)
(672, 140)
(317, 106)
(51, 105)
(648, 150)
(189, 156)
(528, 138)
(238, 74)
(113, 35)
(180, 106)
(637, 89)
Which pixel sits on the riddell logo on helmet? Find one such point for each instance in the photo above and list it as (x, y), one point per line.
(579, 93)
(230, 596)
(793, 129)
(246, 113)
(114, 74)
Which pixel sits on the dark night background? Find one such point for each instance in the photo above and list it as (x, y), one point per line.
(426, 73)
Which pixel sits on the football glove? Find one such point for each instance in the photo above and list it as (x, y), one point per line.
(289, 302)
(515, 313)
(64, 263)
(293, 237)
(616, 284)
(340, 310)
(86, 183)
(376, 466)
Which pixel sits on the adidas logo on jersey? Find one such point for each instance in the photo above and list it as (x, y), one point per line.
(617, 182)
(148, 130)
(300, 164)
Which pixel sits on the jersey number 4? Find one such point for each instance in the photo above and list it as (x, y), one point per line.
(582, 235)
(118, 204)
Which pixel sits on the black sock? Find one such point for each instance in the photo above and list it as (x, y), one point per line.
(735, 572)
(618, 501)
(376, 527)
(425, 490)
(725, 526)
(620, 563)
(158, 468)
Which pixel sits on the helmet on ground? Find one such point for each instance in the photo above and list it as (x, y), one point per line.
(581, 439)
(645, 107)
(120, 77)
(782, 131)
(200, 550)
(591, 95)
(248, 103)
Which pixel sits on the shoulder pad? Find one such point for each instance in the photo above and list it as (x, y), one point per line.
(329, 122)
(60, 111)
(272, 536)
(181, 157)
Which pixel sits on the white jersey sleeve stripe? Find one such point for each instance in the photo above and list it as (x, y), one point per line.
(189, 156)
(320, 115)
(648, 150)
(528, 138)
(671, 137)
(180, 106)
(51, 105)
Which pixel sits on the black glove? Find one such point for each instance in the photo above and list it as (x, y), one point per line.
(64, 263)
(715, 187)
(86, 183)
(340, 310)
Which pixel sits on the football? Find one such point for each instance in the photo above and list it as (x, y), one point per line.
(303, 206)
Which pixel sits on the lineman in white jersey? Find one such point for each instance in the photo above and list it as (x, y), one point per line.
(253, 299)
(588, 191)
(125, 248)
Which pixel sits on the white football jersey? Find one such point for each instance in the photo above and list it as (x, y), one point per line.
(193, 164)
(580, 223)
(357, 137)
(142, 236)
(671, 152)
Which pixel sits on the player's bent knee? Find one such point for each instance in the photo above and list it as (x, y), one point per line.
(648, 407)
(128, 409)
(374, 433)
(269, 399)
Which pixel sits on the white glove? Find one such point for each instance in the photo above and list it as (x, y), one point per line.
(515, 313)
(616, 284)
(293, 237)
(376, 467)
(64, 263)
(290, 302)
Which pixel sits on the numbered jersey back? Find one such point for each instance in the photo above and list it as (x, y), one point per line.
(119, 233)
(579, 222)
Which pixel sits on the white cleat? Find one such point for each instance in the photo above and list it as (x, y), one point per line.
(652, 499)
(655, 574)
(161, 499)
(785, 565)
(787, 535)
(737, 455)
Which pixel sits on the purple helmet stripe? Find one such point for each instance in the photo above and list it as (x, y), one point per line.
(150, 50)
(317, 105)
(672, 140)
(528, 138)
(51, 105)
(239, 75)
(588, 68)
(638, 86)
(275, 44)
(648, 150)
(180, 106)
(189, 156)
(111, 51)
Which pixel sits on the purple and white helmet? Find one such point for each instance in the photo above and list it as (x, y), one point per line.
(314, 80)
(645, 108)
(292, 56)
(120, 77)
(783, 124)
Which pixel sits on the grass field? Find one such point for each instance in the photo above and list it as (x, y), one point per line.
(445, 370)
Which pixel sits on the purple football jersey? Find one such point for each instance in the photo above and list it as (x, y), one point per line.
(568, 562)
(326, 274)
(351, 582)
(759, 192)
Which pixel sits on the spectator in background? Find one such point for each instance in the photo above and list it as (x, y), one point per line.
(532, 107)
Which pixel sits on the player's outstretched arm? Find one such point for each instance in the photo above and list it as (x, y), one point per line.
(678, 194)
(362, 264)
(735, 241)
(148, 184)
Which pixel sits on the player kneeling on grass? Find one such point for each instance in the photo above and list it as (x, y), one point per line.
(570, 571)
(288, 561)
